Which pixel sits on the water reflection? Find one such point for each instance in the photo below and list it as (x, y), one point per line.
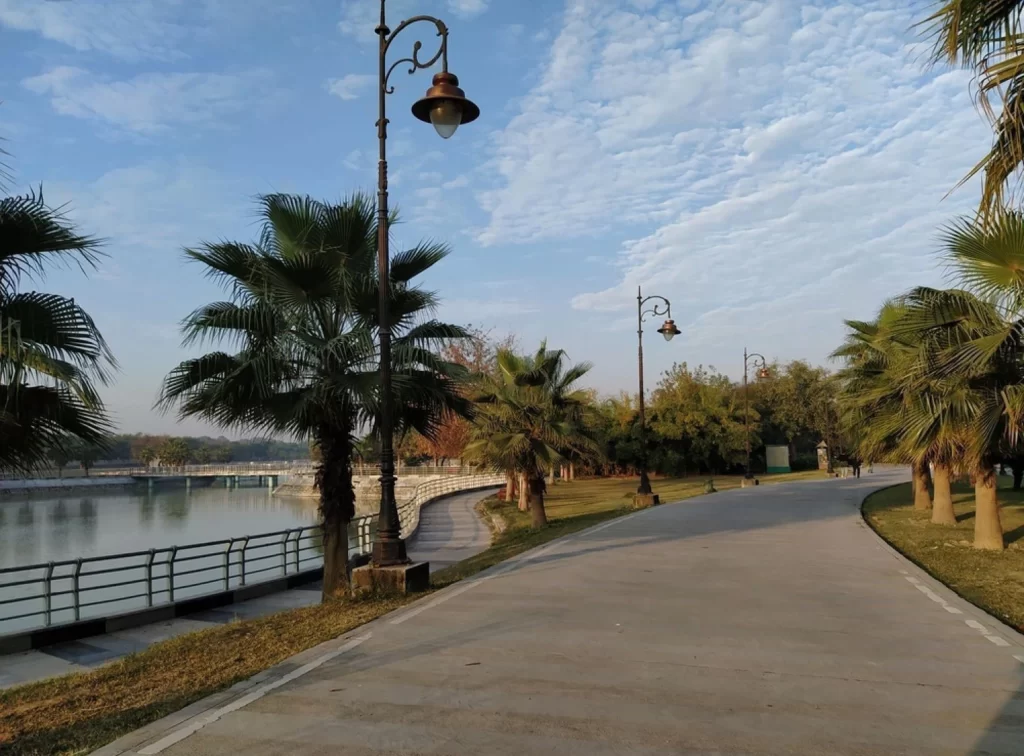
(87, 515)
(174, 511)
(39, 529)
(59, 518)
(147, 510)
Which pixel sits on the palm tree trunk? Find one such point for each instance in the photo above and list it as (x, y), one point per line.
(337, 507)
(524, 493)
(551, 475)
(922, 499)
(572, 471)
(539, 517)
(942, 507)
(510, 486)
(988, 530)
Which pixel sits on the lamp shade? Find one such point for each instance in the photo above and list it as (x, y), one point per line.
(445, 105)
(669, 330)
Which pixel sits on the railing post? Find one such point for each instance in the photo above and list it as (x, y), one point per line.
(170, 573)
(77, 598)
(245, 545)
(149, 577)
(298, 538)
(48, 593)
(227, 565)
(284, 552)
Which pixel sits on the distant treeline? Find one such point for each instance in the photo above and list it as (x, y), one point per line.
(203, 449)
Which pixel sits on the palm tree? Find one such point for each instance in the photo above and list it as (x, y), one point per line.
(52, 355)
(986, 35)
(302, 316)
(883, 399)
(530, 415)
(976, 350)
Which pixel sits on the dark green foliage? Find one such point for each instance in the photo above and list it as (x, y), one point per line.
(52, 355)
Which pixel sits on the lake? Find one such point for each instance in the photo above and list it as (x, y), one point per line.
(51, 527)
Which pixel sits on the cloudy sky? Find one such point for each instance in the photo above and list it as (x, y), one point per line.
(771, 167)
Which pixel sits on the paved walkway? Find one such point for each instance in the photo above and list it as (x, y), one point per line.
(449, 531)
(763, 621)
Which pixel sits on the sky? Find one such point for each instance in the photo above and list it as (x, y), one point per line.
(771, 167)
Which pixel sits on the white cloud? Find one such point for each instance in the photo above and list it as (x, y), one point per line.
(467, 8)
(350, 86)
(137, 29)
(771, 167)
(147, 103)
(131, 30)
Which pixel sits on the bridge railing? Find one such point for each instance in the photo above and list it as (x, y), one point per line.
(71, 590)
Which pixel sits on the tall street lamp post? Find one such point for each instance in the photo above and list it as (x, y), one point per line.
(668, 330)
(760, 364)
(446, 107)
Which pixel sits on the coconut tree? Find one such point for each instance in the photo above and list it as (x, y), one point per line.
(301, 319)
(52, 355)
(986, 35)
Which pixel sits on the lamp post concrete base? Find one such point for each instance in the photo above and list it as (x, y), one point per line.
(401, 579)
(749, 482)
(645, 501)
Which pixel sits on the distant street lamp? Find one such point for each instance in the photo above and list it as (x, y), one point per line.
(446, 107)
(669, 331)
(760, 364)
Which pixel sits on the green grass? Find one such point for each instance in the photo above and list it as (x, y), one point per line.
(78, 713)
(993, 581)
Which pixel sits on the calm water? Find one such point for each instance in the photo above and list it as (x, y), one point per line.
(40, 529)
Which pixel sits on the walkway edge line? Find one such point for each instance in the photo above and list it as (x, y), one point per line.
(1015, 636)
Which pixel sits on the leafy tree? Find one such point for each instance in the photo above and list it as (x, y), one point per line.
(700, 414)
(52, 355)
(60, 457)
(174, 452)
(302, 318)
(87, 454)
(202, 455)
(147, 455)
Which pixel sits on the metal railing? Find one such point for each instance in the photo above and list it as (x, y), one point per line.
(70, 590)
(243, 469)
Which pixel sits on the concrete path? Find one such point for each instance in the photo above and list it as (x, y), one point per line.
(449, 531)
(764, 621)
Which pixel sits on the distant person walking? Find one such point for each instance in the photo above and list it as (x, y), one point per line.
(855, 465)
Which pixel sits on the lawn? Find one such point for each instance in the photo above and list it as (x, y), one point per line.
(993, 581)
(78, 713)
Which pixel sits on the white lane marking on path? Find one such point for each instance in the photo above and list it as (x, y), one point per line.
(184, 732)
(996, 639)
(1019, 657)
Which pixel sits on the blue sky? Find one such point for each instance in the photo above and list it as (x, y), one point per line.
(771, 167)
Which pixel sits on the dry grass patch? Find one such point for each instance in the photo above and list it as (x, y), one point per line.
(80, 712)
(992, 580)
